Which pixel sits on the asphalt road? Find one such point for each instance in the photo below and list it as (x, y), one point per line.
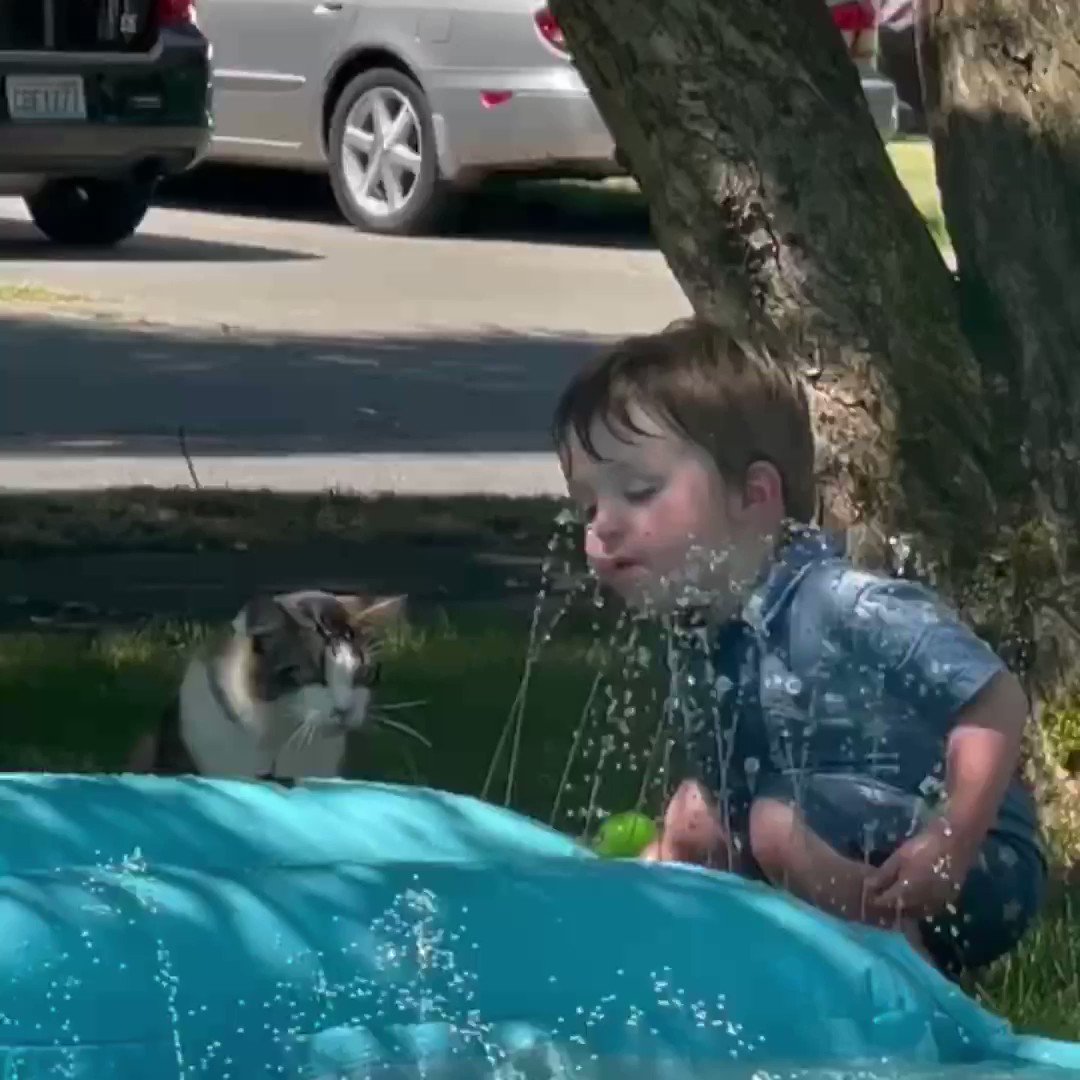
(296, 353)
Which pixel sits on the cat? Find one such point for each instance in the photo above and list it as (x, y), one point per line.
(285, 694)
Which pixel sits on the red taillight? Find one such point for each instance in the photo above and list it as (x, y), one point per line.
(854, 17)
(173, 12)
(549, 30)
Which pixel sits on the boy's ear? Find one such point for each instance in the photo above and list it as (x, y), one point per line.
(764, 486)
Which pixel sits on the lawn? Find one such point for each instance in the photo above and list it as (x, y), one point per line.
(913, 160)
(75, 702)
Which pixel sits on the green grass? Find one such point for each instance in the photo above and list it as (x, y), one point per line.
(77, 702)
(154, 519)
(913, 160)
(21, 293)
(1038, 987)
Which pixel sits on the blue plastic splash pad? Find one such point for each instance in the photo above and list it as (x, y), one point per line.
(154, 928)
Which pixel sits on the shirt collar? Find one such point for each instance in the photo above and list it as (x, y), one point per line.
(799, 548)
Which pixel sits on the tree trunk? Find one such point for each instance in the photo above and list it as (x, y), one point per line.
(773, 200)
(1002, 87)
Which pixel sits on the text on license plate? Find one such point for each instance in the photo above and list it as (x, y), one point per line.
(45, 97)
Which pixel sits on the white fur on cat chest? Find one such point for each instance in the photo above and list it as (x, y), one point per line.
(259, 743)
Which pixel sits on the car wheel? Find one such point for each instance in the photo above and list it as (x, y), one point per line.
(383, 164)
(90, 213)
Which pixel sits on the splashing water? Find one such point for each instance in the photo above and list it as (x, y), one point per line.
(631, 724)
(557, 563)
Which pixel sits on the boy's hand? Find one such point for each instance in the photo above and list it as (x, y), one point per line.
(691, 831)
(922, 875)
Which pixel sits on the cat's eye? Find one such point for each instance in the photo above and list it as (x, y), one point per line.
(368, 673)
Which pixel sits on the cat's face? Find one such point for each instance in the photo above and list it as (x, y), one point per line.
(314, 655)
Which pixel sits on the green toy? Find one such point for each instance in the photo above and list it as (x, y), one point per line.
(624, 836)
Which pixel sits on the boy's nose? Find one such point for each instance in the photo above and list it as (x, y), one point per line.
(605, 530)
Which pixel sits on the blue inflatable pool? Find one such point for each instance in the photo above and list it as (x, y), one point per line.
(162, 928)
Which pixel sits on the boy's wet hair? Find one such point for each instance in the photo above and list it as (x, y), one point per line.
(738, 401)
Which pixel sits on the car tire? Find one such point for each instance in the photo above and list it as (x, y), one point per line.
(90, 213)
(421, 192)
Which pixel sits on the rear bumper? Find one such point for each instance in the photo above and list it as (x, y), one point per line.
(144, 110)
(93, 150)
(549, 123)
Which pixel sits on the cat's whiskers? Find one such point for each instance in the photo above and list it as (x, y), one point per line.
(303, 735)
(384, 721)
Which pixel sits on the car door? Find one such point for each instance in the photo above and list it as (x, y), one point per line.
(270, 62)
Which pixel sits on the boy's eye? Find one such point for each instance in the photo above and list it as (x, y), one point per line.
(641, 494)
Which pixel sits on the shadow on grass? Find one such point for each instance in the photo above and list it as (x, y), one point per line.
(128, 556)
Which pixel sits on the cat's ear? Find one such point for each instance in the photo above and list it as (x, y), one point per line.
(375, 611)
(262, 615)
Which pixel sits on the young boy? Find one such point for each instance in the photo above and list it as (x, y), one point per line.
(866, 742)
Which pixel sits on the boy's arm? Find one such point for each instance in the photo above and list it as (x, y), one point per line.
(961, 687)
(926, 873)
(950, 676)
(982, 757)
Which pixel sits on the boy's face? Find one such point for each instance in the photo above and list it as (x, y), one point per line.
(662, 526)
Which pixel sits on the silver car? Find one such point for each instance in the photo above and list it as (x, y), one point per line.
(402, 103)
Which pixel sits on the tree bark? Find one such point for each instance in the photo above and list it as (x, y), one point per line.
(1002, 88)
(774, 202)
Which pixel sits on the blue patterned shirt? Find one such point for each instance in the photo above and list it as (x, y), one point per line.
(833, 670)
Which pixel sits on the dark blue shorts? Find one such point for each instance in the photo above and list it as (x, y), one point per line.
(867, 820)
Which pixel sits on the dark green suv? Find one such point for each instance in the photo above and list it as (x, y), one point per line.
(99, 99)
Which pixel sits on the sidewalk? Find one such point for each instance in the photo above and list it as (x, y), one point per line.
(431, 474)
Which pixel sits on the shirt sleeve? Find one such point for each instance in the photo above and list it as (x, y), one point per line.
(925, 654)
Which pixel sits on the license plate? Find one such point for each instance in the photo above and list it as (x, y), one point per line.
(45, 97)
